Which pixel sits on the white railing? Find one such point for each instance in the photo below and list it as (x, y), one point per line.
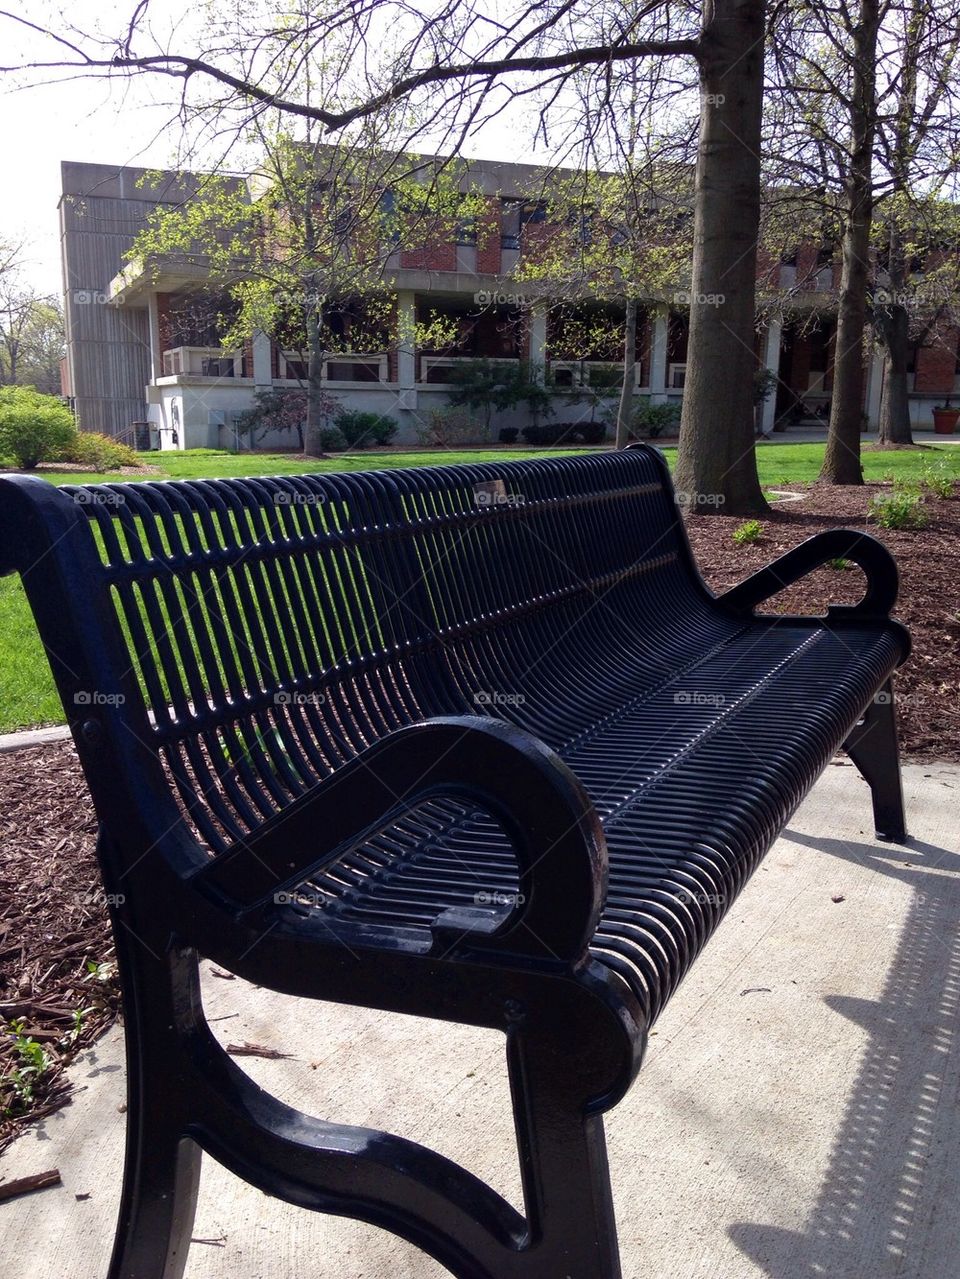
(353, 367)
(202, 361)
(374, 367)
(435, 363)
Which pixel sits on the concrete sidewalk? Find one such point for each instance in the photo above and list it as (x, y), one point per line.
(797, 1116)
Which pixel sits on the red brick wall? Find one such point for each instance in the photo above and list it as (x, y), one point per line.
(936, 365)
(432, 257)
(488, 240)
(768, 269)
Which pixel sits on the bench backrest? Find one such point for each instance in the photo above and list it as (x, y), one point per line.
(271, 628)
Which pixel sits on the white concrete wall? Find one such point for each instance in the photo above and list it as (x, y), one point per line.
(194, 413)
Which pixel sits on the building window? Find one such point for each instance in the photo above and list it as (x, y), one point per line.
(533, 211)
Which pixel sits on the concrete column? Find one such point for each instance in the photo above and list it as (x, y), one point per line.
(538, 343)
(874, 387)
(406, 338)
(771, 359)
(262, 372)
(658, 357)
(153, 321)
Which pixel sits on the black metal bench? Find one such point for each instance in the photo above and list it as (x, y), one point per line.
(474, 743)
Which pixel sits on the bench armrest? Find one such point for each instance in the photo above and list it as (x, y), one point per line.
(872, 556)
(505, 771)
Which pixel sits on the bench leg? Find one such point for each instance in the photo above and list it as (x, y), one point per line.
(873, 748)
(162, 1168)
(563, 1160)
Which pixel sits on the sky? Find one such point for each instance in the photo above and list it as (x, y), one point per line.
(123, 121)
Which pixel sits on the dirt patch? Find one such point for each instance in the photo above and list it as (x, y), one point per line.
(66, 468)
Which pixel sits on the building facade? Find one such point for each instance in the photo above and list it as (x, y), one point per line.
(139, 350)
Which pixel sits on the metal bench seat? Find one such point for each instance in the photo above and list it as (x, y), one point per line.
(692, 785)
(473, 743)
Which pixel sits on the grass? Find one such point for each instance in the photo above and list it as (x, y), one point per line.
(27, 694)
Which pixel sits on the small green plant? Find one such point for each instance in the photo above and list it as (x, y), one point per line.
(839, 565)
(76, 1029)
(748, 532)
(104, 971)
(361, 429)
(18, 1084)
(937, 479)
(902, 509)
(33, 427)
(100, 452)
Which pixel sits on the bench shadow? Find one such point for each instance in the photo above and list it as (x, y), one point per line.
(888, 1205)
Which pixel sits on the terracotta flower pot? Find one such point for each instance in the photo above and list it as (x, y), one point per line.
(945, 421)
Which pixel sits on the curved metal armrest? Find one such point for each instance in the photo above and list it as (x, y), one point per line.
(872, 556)
(505, 771)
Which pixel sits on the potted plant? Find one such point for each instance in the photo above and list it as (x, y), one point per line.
(945, 418)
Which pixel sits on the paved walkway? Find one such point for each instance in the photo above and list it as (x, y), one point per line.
(797, 1117)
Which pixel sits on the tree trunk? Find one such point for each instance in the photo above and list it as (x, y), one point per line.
(716, 461)
(316, 420)
(625, 407)
(892, 325)
(841, 461)
(895, 405)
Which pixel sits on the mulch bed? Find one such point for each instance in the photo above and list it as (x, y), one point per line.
(53, 924)
(928, 685)
(56, 948)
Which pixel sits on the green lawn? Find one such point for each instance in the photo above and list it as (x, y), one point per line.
(27, 694)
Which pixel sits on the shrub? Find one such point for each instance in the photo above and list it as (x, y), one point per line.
(331, 439)
(749, 531)
(508, 434)
(901, 509)
(361, 429)
(651, 420)
(448, 428)
(100, 452)
(938, 479)
(33, 427)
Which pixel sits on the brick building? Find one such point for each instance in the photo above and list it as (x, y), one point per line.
(140, 350)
